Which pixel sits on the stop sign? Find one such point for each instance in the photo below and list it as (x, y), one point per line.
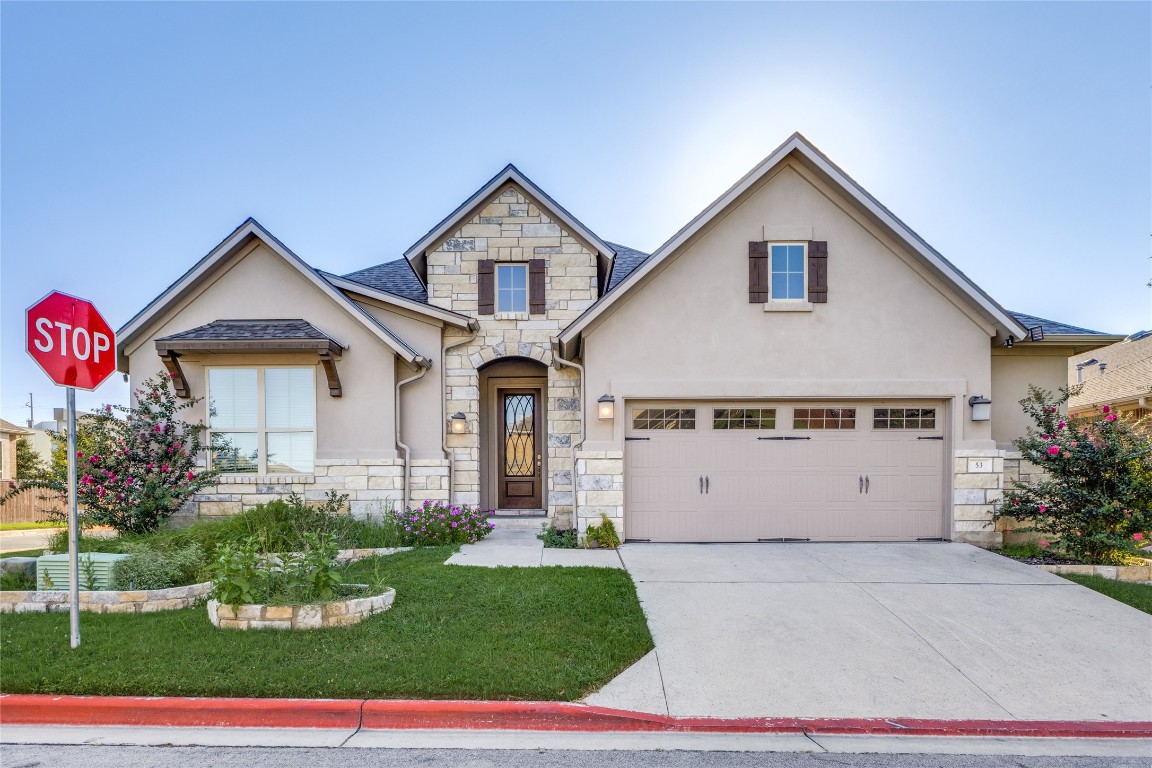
(69, 339)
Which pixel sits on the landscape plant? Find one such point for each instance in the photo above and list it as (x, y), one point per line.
(243, 574)
(436, 522)
(556, 538)
(136, 465)
(602, 534)
(1093, 495)
(149, 569)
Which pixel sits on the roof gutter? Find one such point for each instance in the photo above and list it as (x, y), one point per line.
(557, 362)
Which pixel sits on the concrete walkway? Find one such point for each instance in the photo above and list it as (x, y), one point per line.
(513, 542)
(932, 630)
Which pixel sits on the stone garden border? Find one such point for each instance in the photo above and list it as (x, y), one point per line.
(144, 601)
(1141, 574)
(106, 601)
(338, 613)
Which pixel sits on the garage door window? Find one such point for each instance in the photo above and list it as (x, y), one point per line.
(824, 418)
(903, 418)
(664, 418)
(744, 418)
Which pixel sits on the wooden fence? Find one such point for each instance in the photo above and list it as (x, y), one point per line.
(29, 507)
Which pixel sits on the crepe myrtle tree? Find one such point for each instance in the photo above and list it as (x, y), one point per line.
(1094, 493)
(135, 465)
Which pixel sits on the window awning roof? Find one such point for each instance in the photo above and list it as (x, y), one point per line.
(250, 336)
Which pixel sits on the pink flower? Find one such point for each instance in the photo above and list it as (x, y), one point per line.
(1053, 450)
(1060, 425)
(1043, 508)
(1138, 536)
(1043, 543)
(1016, 501)
(1067, 455)
(163, 467)
(1110, 417)
(1073, 443)
(171, 375)
(191, 476)
(1106, 409)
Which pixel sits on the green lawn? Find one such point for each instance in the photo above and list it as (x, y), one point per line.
(24, 553)
(454, 632)
(30, 526)
(1136, 595)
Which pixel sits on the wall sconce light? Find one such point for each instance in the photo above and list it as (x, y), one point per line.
(981, 408)
(1008, 342)
(459, 423)
(606, 408)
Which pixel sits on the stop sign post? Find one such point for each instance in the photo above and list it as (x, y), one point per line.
(75, 346)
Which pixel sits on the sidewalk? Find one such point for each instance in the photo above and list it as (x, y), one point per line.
(513, 542)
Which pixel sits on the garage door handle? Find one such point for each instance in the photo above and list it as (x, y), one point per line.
(867, 482)
(861, 484)
(701, 483)
(707, 481)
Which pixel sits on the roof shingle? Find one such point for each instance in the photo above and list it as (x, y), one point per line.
(1051, 327)
(250, 330)
(1127, 373)
(396, 277)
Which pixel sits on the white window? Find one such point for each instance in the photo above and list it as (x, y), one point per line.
(787, 263)
(268, 417)
(511, 287)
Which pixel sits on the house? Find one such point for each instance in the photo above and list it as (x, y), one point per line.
(795, 363)
(1119, 375)
(9, 435)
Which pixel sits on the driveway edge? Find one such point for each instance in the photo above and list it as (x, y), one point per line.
(389, 714)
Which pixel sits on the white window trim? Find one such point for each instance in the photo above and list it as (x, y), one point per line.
(508, 314)
(261, 431)
(788, 305)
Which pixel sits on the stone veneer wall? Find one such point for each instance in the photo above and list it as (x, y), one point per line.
(977, 487)
(600, 489)
(369, 483)
(338, 613)
(512, 228)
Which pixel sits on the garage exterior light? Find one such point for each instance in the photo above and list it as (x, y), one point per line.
(981, 408)
(459, 423)
(606, 407)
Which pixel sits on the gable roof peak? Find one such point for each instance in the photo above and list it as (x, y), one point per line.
(417, 253)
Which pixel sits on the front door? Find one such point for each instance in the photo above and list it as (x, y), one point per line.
(519, 472)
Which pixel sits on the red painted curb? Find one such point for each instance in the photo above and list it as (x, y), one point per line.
(26, 709)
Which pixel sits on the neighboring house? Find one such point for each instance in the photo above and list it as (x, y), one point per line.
(9, 434)
(795, 363)
(1119, 375)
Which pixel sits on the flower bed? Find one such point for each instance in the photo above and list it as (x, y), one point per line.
(140, 601)
(337, 613)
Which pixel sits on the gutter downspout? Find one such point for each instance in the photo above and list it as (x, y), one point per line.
(473, 326)
(422, 365)
(558, 361)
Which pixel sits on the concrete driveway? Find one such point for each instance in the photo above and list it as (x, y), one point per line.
(928, 630)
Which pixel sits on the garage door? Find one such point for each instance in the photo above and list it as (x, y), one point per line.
(768, 471)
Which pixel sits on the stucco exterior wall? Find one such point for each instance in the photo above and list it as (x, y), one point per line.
(886, 331)
(1013, 370)
(257, 284)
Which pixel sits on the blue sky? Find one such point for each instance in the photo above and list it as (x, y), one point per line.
(1014, 137)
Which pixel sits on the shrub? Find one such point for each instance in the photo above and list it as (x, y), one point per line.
(133, 472)
(554, 538)
(148, 569)
(604, 534)
(436, 523)
(1095, 493)
(242, 574)
(18, 581)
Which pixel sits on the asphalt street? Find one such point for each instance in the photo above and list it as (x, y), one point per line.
(64, 756)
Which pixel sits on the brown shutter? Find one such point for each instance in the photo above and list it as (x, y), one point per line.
(818, 271)
(758, 277)
(536, 286)
(486, 286)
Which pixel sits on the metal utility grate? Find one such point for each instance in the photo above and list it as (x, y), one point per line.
(95, 570)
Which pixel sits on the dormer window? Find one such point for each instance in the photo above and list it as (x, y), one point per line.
(511, 288)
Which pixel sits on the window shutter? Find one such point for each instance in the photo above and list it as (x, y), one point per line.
(536, 286)
(486, 286)
(758, 277)
(818, 271)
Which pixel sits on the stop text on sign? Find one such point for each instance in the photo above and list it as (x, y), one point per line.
(75, 342)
